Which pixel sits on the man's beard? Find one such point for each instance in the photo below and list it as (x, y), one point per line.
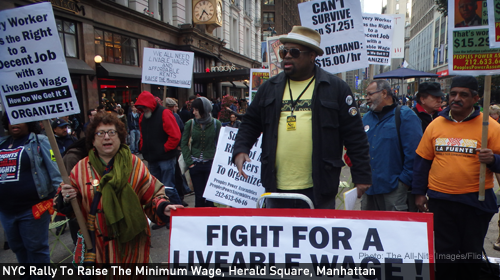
(148, 114)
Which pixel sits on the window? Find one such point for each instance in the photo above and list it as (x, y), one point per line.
(268, 17)
(67, 35)
(160, 9)
(115, 48)
(268, 2)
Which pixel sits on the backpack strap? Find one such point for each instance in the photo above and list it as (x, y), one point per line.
(397, 117)
(215, 133)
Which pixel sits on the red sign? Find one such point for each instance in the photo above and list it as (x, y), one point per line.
(443, 73)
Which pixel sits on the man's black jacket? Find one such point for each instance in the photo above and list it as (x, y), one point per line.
(335, 122)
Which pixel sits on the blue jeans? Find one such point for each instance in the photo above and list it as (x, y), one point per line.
(165, 172)
(135, 137)
(28, 238)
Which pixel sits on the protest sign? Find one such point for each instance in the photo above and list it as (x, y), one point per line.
(340, 25)
(469, 35)
(257, 78)
(379, 31)
(224, 184)
(494, 22)
(167, 67)
(398, 42)
(273, 46)
(34, 77)
(321, 240)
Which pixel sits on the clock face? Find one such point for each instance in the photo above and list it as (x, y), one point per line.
(219, 12)
(204, 10)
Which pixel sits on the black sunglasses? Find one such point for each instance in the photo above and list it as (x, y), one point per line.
(295, 53)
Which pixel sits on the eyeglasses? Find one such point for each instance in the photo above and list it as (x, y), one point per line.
(295, 53)
(370, 94)
(110, 133)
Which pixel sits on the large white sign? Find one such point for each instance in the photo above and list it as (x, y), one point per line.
(379, 31)
(469, 51)
(321, 240)
(342, 34)
(398, 42)
(494, 22)
(167, 67)
(224, 184)
(34, 77)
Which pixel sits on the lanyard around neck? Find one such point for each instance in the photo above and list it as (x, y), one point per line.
(294, 103)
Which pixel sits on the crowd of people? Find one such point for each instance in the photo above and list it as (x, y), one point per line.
(402, 158)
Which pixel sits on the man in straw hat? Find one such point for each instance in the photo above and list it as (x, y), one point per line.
(306, 115)
(446, 168)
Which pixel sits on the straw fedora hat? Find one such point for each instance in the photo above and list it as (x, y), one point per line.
(304, 36)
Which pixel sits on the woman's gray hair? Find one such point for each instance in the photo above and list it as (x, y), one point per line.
(383, 84)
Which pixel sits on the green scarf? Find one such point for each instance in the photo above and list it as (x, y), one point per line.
(121, 206)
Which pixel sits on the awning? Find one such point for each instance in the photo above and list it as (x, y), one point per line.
(235, 84)
(77, 66)
(119, 70)
(217, 77)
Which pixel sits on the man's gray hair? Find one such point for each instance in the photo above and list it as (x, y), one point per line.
(383, 84)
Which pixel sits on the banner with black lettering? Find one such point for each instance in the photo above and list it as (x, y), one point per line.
(224, 185)
(494, 22)
(34, 77)
(342, 34)
(167, 67)
(469, 51)
(283, 243)
(379, 33)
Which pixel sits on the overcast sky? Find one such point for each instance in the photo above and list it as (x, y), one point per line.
(372, 6)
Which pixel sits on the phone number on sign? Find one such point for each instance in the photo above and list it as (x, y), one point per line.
(231, 198)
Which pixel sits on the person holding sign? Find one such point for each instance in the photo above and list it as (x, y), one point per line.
(446, 168)
(29, 180)
(198, 144)
(306, 115)
(116, 192)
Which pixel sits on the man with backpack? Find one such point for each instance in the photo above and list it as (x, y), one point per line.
(394, 132)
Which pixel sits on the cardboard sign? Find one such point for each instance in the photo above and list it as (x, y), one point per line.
(224, 184)
(167, 67)
(379, 31)
(319, 240)
(273, 46)
(257, 78)
(340, 25)
(494, 22)
(469, 51)
(34, 77)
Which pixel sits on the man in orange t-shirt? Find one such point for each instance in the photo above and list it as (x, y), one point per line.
(446, 168)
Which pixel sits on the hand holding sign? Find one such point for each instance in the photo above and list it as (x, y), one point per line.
(239, 160)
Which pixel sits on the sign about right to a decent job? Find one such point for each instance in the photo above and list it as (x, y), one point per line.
(469, 51)
(34, 79)
(306, 243)
(379, 31)
(340, 25)
(224, 185)
(167, 67)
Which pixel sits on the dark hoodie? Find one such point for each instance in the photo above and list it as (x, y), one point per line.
(160, 134)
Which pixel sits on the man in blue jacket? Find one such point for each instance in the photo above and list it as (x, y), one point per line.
(392, 149)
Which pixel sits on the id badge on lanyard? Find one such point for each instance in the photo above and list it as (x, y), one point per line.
(291, 123)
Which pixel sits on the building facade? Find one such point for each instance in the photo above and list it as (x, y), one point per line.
(119, 30)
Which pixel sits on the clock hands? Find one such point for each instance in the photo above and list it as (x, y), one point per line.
(204, 12)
